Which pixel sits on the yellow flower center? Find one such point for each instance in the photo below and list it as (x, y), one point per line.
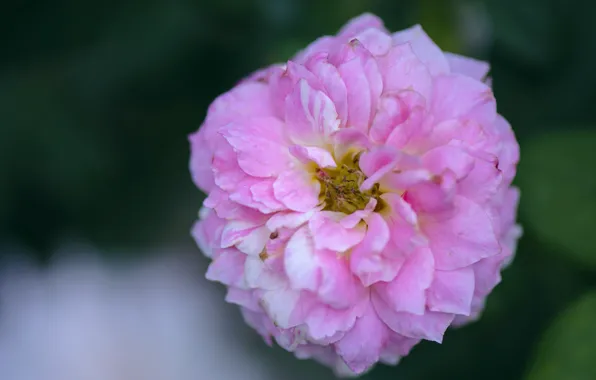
(340, 187)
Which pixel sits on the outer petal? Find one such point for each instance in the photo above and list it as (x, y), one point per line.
(200, 162)
(339, 288)
(359, 24)
(247, 237)
(424, 48)
(403, 70)
(407, 292)
(465, 238)
(361, 347)
(247, 100)
(324, 321)
(227, 267)
(430, 326)
(452, 291)
(207, 231)
(456, 96)
(467, 66)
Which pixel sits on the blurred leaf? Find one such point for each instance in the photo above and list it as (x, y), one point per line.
(559, 186)
(526, 29)
(569, 346)
(437, 17)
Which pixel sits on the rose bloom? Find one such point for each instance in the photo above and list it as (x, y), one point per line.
(359, 196)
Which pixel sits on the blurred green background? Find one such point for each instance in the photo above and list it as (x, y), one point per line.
(97, 98)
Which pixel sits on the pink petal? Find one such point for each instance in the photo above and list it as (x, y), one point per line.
(227, 267)
(328, 233)
(482, 183)
(310, 115)
(259, 145)
(390, 113)
(352, 220)
(403, 70)
(297, 190)
(360, 24)
(200, 162)
(376, 163)
(452, 291)
(301, 263)
(457, 96)
(396, 347)
(346, 139)
(285, 307)
(207, 232)
(366, 259)
(290, 220)
(259, 274)
(376, 41)
(487, 274)
(245, 236)
(463, 239)
(433, 196)
(443, 158)
(361, 347)
(467, 66)
(320, 45)
(247, 100)
(363, 80)
(324, 321)
(413, 128)
(407, 292)
(262, 192)
(331, 82)
(430, 326)
(424, 48)
(339, 288)
(319, 156)
(242, 298)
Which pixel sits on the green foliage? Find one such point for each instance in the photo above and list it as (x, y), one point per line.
(558, 181)
(568, 348)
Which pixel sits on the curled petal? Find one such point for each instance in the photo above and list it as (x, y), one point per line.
(328, 233)
(310, 115)
(319, 156)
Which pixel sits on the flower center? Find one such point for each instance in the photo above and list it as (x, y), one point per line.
(340, 187)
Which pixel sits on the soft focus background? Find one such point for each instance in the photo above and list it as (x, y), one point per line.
(96, 100)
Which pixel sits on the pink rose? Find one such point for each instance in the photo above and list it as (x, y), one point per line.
(359, 196)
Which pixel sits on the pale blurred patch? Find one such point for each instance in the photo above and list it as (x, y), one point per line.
(84, 319)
